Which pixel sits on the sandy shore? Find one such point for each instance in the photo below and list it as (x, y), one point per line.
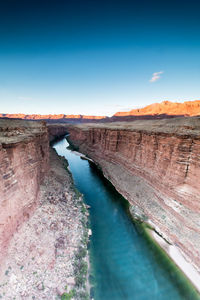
(82, 156)
(172, 251)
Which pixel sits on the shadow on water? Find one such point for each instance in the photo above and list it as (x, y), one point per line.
(114, 194)
(125, 262)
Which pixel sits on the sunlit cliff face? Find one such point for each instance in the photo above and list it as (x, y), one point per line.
(189, 108)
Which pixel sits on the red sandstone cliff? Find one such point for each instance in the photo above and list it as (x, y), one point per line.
(24, 155)
(189, 108)
(156, 166)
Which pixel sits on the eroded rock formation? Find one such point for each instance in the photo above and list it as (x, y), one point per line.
(156, 166)
(24, 156)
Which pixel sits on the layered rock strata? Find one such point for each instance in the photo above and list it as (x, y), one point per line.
(155, 165)
(24, 157)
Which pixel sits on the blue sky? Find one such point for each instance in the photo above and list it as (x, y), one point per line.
(97, 57)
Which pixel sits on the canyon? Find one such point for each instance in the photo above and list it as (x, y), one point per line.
(155, 165)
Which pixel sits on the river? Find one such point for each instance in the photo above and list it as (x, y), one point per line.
(124, 263)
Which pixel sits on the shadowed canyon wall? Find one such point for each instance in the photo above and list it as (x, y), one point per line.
(24, 156)
(56, 131)
(155, 165)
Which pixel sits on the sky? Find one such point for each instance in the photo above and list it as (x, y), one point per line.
(97, 57)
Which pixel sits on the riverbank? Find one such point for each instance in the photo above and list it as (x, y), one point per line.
(179, 264)
(47, 255)
(171, 251)
(179, 260)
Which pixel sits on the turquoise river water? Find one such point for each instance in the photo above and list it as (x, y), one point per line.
(125, 264)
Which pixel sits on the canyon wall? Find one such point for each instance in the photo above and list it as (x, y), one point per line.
(56, 131)
(155, 165)
(24, 156)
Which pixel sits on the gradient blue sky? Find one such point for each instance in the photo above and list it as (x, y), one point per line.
(97, 57)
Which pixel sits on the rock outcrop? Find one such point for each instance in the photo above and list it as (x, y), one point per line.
(155, 165)
(24, 157)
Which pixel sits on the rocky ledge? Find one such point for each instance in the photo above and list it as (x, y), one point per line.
(155, 165)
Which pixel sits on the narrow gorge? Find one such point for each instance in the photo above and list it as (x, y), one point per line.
(154, 164)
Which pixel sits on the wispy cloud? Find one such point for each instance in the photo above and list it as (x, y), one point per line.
(156, 76)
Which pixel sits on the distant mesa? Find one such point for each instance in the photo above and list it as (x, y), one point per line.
(163, 110)
(188, 108)
(55, 118)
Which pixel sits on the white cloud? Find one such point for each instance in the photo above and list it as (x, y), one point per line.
(156, 76)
